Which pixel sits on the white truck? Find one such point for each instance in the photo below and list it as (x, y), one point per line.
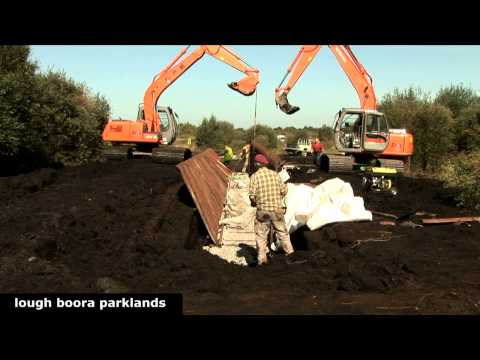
(304, 148)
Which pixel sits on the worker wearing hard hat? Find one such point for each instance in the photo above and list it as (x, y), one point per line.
(266, 192)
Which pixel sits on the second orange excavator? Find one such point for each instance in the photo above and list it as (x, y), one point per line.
(155, 129)
(362, 134)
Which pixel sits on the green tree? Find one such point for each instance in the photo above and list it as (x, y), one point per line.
(432, 135)
(325, 134)
(239, 139)
(464, 104)
(68, 122)
(228, 131)
(291, 133)
(301, 134)
(15, 59)
(214, 134)
(460, 172)
(401, 107)
(17, 84)
(187, 129)
(467, 129)
(45, 119)
(457, 98)
(263, 134)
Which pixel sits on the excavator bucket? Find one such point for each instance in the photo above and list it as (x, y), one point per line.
(234, 86)
(243, 87)
(282, 102)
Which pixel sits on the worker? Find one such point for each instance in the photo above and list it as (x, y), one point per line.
(245, 157)
(317, 148)
(228, 154)
(266, 192)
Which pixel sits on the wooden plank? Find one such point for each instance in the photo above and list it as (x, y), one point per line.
(451, 220)
(388, 223)
(391, 216)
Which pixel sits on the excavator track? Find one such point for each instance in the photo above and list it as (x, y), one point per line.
(117, 152)
(167, 154)
(341, 164)
(163, 154)
(398, 165)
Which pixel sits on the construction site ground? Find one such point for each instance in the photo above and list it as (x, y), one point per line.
(130, 226)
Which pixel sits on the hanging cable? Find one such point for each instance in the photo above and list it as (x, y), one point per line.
(252, 150)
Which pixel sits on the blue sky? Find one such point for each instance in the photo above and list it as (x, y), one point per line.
(122, 73)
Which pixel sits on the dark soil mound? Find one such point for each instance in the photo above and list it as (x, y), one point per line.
(131, 226)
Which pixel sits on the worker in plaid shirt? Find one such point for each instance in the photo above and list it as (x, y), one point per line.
(267, 191)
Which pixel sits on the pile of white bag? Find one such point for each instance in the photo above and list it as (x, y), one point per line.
(332, 201)
(236, 225)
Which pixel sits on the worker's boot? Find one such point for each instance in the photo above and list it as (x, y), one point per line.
(295, 258)
(262, 262)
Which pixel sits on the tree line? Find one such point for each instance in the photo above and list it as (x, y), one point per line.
(214, 133)
(446, 129)
(46, 119)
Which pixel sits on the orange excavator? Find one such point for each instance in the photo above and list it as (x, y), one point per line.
(362, 134)
(156, 128)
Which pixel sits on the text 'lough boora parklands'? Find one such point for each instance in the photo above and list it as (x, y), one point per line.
(98, 304)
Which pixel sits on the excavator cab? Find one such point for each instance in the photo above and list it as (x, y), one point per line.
(359, 131)
(168, 123)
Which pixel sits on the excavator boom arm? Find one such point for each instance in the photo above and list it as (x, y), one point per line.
(358, 76)
(179, 66)
(298, 66)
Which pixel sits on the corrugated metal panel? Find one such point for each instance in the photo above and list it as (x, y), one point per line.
(207, 179)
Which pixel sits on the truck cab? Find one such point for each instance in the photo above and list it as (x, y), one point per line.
(304, 147)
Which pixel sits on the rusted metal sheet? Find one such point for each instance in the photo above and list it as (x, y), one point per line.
(207, 179)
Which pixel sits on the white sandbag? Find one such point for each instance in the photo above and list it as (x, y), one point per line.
(329, 202)
(349, 210)
(241, 222)
(331, 186)
(340, 193)
(324, 215)
(355, 206)
(237, 199)
(236, 225)
(298, 201)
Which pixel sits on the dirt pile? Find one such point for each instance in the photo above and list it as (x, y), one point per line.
(130, 226)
